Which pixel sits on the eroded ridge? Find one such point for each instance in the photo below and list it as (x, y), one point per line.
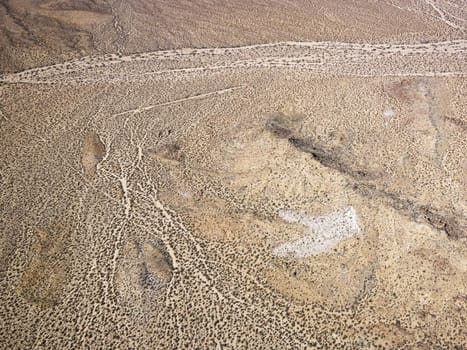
(365, 180)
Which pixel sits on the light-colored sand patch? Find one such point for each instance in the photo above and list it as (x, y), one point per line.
(388, 114)
(323, 232)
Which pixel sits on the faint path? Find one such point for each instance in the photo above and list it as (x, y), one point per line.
(194, 97)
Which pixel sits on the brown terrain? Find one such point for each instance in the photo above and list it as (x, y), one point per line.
(233, 174)
(37, 33)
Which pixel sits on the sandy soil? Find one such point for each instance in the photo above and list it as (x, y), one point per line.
(299, 189)
(37, 33)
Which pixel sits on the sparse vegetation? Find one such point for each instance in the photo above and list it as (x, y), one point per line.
(252, 181)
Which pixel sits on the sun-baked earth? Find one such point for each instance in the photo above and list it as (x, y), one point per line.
(240, 175)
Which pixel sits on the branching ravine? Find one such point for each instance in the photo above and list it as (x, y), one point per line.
(443, 16)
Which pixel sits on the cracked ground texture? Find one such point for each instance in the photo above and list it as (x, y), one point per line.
(146, 198)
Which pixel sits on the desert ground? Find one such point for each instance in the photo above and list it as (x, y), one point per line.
(233, 174)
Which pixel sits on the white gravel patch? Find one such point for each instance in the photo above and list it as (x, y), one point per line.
(322, 234)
